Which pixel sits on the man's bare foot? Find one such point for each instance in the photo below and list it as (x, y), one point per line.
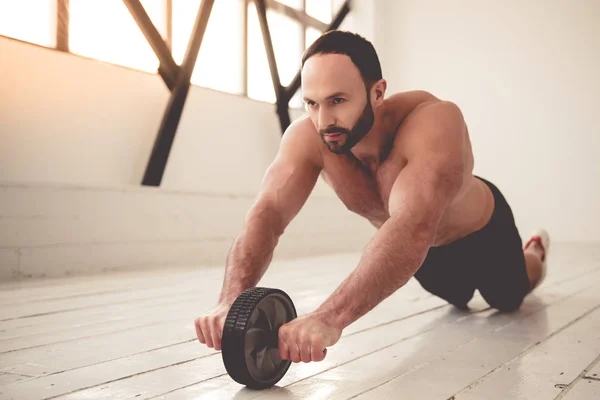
(536, 256)
(539, 241)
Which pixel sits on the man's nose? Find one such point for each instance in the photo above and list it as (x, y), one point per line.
(326, 119)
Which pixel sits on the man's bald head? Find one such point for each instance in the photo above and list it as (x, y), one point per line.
(339, 71)
(360, 51)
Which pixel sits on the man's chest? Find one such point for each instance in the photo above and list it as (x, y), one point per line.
(364, 191)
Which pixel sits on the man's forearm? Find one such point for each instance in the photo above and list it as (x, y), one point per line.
(390, 259)
(250, 255)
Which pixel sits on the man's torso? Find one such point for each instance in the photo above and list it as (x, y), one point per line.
(365, 189)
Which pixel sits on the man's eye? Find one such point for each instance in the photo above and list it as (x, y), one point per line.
(338, 100)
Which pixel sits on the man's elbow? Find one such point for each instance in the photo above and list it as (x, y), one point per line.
(450, 180)
(420, 226)
(425, 233)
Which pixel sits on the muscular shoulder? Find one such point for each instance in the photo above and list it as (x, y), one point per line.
(432, 142)
(301, 141)
(400, 105)
(431, 124)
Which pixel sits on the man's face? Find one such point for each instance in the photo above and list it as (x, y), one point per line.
(337, 101)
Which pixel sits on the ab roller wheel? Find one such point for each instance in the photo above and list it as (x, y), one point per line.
(250, 337)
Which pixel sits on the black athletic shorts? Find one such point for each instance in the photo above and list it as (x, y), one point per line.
(490, 260)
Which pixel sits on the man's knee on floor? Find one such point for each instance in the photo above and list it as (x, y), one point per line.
(505, 303)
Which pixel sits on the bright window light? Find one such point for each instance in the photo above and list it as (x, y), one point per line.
(296, 100)
(312, 34)
(336, 5)
(220, 63)
(286, 35)
(105, 30)
(297, 4)
(260, 86)
(32, 21)
(319, 9)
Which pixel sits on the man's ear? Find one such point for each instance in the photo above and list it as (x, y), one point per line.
(378, 92)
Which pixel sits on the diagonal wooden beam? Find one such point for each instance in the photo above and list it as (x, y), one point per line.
(168, 69)
(298, 15)
(293, 87)
(168, 127)
(282, 105)
(285, 94)
(62, 25)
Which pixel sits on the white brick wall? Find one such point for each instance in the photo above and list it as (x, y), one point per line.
(52, 230)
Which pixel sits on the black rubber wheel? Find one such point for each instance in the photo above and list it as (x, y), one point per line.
(250, 337)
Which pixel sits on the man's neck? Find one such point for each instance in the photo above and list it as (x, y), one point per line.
(374, 148)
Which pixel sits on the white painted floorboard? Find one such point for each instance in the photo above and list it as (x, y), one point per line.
(559, 360)
(131, 335)
(587, 387)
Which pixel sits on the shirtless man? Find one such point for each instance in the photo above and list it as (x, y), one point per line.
(405, 164)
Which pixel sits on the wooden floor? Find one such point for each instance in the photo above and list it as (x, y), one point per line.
(131, 335)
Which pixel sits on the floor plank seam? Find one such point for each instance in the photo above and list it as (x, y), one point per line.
(571, 385)
(130, 376)
(95, 335)
(527, 350)
(399, 319)
(575, 277)
(500, 366)
(593, 378)
(43, 314)
(119, 358)
(130, 302)
(186, 386)
(168, 304)
(73, 296)
(23, 375)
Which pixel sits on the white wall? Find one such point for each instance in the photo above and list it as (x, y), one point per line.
(53, 230)
(525, 74)
(75, 136)
(68, 119)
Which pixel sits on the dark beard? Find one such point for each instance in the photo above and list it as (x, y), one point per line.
(354, 135)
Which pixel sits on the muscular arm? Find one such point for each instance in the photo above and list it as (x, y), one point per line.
(422, 191)
(287, 183)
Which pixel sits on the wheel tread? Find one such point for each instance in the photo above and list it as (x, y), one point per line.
(234, 330)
